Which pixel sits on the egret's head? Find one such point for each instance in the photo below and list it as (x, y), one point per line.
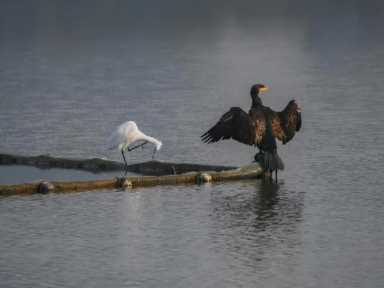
(257, 88)
(158, 145)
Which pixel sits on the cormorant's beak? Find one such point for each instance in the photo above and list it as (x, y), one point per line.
(263, 89)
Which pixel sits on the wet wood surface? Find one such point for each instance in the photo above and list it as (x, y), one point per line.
(97, 165)
(196, 177)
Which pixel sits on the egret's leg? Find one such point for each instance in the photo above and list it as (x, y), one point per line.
(125, 162)
(153, 154)
(137, 146)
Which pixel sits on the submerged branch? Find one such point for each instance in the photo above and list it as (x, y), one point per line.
(97, 165)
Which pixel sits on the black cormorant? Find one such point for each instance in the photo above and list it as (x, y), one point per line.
(259, 127)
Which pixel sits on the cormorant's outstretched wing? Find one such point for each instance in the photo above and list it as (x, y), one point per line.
(235, 124)
(287, 122)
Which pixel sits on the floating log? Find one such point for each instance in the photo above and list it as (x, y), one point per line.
(97, 165)
(247, 172)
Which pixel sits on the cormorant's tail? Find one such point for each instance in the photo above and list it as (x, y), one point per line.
(272, 161)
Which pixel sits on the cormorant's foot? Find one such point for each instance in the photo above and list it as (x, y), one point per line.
(259, 157)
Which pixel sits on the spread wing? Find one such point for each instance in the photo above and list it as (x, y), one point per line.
(259, 125)
(287, 122)
(235, 124)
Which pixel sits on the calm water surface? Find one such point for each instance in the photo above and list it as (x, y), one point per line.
(71, 72)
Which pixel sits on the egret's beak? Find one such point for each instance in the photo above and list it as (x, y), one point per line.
(264, 89)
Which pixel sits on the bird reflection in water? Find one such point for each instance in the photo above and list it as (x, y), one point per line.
(258, 221)
(265, 205)
(250, 208)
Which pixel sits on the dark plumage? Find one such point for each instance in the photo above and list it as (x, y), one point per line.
(228, 127)
(259, 127)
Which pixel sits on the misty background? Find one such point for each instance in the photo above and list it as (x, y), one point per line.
(71, 71)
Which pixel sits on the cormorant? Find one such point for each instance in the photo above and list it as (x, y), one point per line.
(259, 128)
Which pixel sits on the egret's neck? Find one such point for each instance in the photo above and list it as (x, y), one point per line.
(154, 141)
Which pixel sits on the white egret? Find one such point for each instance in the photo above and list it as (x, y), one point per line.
(128, 134)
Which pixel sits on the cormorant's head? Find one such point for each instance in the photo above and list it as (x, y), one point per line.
(257, 88)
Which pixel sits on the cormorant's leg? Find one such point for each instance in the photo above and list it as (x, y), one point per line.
(267, 176)
(276, 176)
(125, 163)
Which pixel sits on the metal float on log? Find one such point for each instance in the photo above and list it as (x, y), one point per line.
(246, 172)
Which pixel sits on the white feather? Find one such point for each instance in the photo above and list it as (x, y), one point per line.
(128, 133)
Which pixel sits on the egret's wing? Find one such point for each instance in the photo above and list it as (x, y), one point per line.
(119, 136)
(114, 140)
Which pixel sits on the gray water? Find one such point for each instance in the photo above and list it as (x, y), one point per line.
(70, 73)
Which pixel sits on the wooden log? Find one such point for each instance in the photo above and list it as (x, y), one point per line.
(97, 165)
(247, 172)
